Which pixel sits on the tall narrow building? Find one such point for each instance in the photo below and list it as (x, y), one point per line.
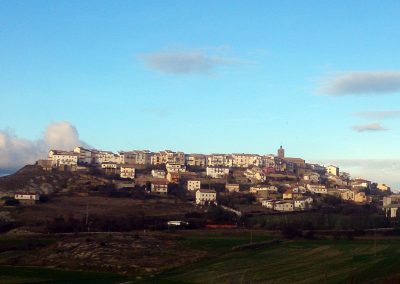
(281, 152)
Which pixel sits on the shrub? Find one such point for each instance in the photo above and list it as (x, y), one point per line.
(219, 215)
(11, 202)
(290, 231)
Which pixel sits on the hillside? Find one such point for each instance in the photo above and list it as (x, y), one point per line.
(200, 256)
(33, 179)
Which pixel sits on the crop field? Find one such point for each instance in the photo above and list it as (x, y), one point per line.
(298, 261)
(198, 256)
(16, 274)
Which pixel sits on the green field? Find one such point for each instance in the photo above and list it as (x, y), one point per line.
(299, 261)
(23, 274)
(16, 274)
(235, 256)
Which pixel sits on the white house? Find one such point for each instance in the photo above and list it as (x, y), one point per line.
(392, 199)
(316, 188)
(263, 188)
(109, 165)
(160, 187)
(100, 157)
(127, 171)
(177, 223)
(193, 185)
(347, 194)
(206, 196)
(26, 197)
(383, 187)
(120, 184)
(232, 187)
(361, 197)
(360, 183)
(173, 177)
(391, 210)
(351, 195)
(255, 173)
(158, 173)
(299, 189)
(84, 155)
(312, 177)
(332, 170)
(269, 203)
(136, 157)
(45, 164)
(196, 160)
(63, 158)
(175, 168)
(284, 206)
(217, 172)
(303, 203)
(246, 160)
(219, 160)
(337, 180)
(168, 157)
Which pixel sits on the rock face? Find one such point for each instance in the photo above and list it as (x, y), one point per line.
(46, 188)
(34, 179)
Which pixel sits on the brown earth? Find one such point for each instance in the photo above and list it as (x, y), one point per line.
(133, 253)
(35, 217)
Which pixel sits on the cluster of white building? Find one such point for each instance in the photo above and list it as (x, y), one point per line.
(255, 168)
(299, 204)
(217, 165)
(84, 156)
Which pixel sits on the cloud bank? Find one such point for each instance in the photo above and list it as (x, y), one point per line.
(369, 127)
(378, 114)
(186, 63)
(16, 152)
(361, 83)
(376, 170)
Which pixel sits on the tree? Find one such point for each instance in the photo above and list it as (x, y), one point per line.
(218, 215)
(11, 201)
(290, 231)
(148, 186)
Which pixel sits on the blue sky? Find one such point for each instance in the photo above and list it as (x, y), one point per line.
(206, 76)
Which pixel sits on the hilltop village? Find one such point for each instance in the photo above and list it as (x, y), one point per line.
(275, 182)
(105, 211)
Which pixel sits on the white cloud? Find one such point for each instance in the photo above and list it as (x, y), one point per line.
(376, 170)
(369, 127)
(378, 114)
(361, 83)
(186, 62)
(62, 135)
(16, 152)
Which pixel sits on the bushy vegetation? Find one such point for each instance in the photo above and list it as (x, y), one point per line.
(234, 198)
(70, 224)
(317, 220)
(10, 201)
(218, 215)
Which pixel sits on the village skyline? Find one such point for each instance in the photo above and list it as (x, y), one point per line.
(170, 141)
(223, 76)
(263, 162)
